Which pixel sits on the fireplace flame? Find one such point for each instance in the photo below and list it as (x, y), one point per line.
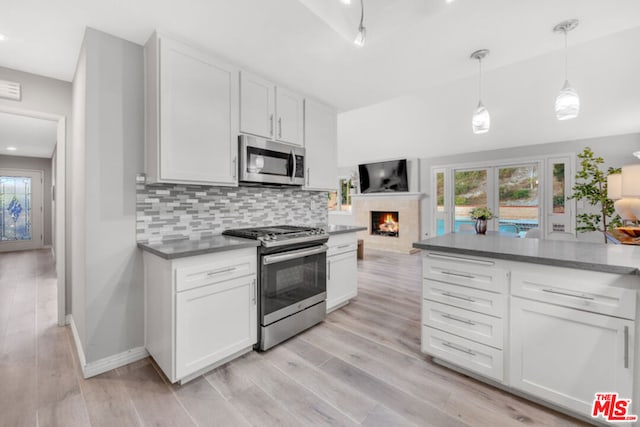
(388, 225)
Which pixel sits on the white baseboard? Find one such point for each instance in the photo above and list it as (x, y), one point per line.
(76, 339)
(108, 363)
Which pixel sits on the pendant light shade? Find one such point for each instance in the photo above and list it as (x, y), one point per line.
(568, 101)
(361, 37)
(481, 120)
(362, 31)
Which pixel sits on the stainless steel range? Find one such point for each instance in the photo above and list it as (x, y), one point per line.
(292, 280)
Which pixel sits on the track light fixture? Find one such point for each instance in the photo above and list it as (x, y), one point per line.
(362, 31)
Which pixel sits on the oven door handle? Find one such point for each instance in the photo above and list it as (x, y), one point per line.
(287, 256)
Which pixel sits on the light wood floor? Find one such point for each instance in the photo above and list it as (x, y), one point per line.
(362, 366)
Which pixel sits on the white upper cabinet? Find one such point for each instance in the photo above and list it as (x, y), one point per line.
(290, 107)
(320, 141)
(257, 105)
(191, 113)
(269, 111)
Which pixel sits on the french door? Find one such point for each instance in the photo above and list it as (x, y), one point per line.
(511, 191)
(21, 205)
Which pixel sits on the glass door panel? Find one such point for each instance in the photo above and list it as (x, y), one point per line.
(15, 208)
(440, 206)
(470, 191)
(560, 223)
(518, 198)
(20, 210)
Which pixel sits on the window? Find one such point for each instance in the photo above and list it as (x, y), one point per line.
(513, 190)
(341, 200)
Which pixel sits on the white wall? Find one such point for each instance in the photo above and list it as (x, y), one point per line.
(50, 96)
(75, 176)
(108, 152)
(44, 165)
(520, 98)
(615, 151)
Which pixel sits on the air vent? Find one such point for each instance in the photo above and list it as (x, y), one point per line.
(10, 90)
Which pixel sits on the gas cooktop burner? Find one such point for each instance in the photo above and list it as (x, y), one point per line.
(279, 235)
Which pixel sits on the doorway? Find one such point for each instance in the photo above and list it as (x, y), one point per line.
(55, 153)
(21, 210)
(511, 191)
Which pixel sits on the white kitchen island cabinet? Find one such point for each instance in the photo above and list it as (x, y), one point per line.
(320, 142)
(566, 356)
(342, 270)
(201, 311)
(270, 111)
(557, 329)
(191, 115)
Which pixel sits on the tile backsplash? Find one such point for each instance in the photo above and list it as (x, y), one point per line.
(178, 211)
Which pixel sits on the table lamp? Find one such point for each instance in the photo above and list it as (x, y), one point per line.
(630, 188)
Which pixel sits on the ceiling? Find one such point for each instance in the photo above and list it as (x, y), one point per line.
(30, 136)
(306, 44)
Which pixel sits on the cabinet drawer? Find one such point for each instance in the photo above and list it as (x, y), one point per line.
(469, 355)
(342, 243)
(194, 276)
(478, 327)
(474, 273)
(461, 296)
(586, 290)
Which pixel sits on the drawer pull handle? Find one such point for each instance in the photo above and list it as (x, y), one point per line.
(457, 259)
(626, 347)
(458, 319)
(455, 347)
(568, 294)
(343, 246)
(448, 294)
(451, 273)
(226, 270)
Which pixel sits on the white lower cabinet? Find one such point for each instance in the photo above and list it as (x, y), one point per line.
(200, 311)
(342, 270)
(557, 334)
(463, 315)
(566, 356)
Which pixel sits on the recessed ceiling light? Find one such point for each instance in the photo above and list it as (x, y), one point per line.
(347, 2)
(11, 148)
(2, 37)
(450, 1)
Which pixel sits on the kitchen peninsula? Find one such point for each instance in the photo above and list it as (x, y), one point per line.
(553, 321)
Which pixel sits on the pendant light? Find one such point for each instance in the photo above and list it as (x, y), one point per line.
(362, 31)
(481, 120)
(567, 102)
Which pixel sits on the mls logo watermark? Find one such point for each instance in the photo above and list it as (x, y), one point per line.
(612, 408)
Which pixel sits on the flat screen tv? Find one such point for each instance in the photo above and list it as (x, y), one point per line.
(383, 177)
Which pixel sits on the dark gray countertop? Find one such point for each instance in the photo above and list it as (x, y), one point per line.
(184, 248)
(619, 259)
(342, 229)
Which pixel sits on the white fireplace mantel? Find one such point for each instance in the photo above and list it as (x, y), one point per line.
(395, 195)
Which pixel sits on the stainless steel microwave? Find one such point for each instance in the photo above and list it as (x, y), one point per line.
(269, 162)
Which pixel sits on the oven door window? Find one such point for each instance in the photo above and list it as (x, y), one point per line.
(292, 285)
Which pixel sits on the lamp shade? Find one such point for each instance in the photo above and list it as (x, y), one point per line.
(614, 186)
(631, 181)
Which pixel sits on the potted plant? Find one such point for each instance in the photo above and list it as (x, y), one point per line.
(591, 186)
(481, 215)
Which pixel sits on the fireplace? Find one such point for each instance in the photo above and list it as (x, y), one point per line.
(385, 223)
